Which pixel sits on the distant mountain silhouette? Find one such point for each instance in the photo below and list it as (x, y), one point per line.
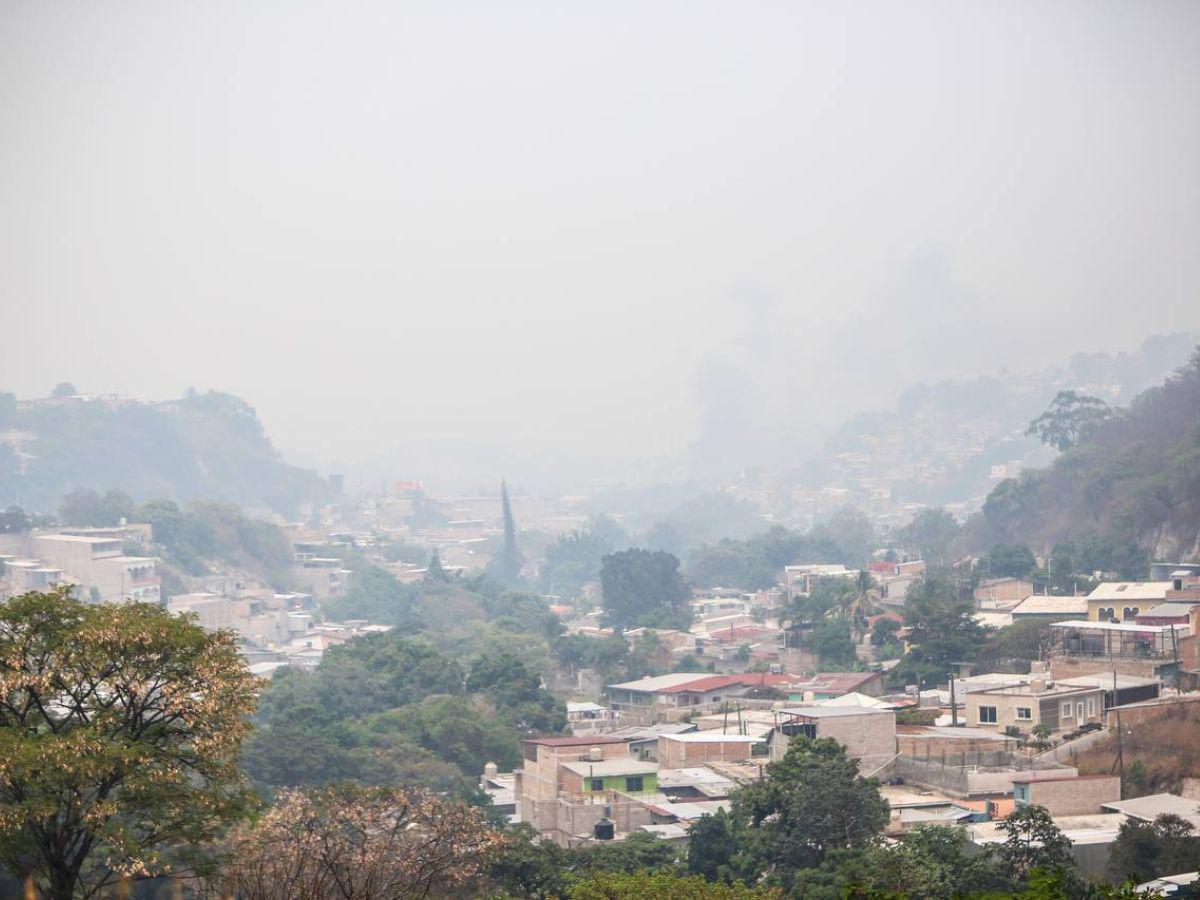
(202, 446)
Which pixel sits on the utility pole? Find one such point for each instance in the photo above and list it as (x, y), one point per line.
(1120, 763)
(953, 704)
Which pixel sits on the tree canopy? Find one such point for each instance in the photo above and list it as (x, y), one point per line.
(644, 587)
(119, 731)
(354, 843)
(812, 803)
(1071, 419)
(942, 630)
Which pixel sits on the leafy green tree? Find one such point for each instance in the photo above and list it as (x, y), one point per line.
(1041, 734)
(811, 803)
(517, 689)
(1145, 850)
(1017, 644)
(64, 389)
(527, 866)
(758, 561)
(934, 861)
(1010, 561)
(14, 520)
(572, 560)
(119, 732)
(641, 587)
(884, 632)
(930, 533)
(1033, 841)
(942, 630)
(712, 846)
(854, 535)
(834, 643)
(375, 594)
(641, 851)
(1071, 419)
(456, 730)
(200, 534)
(662, 886)
(86, 507)
(382, 671)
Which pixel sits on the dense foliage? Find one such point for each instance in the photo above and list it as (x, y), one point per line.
(572, 560)
(201, 537)
(942, 631)
(389, 709)
(1128, 489)
(644, 588)
(119, 731)
(203, 445)
(758, 561)
(1146, 850)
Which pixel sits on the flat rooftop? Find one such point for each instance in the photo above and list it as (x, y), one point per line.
(594, 740)
(834, 712)
(711, 737)
(1150, 807)
(1057, 689)
(1127, 627)
(690, 777)
(610, 767)
(1131, 590)
(1094, 829)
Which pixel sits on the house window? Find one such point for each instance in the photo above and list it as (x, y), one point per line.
(1130, 612)
(1091, 706)
(597, 784)
(1066, 710)
(633, 784)
(1107, 614)
(987, 714)
(1024, 712)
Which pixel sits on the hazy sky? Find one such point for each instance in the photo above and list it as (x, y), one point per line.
(579, 231)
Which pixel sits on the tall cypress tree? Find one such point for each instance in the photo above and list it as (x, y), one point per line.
(434, 571)
(510, 559)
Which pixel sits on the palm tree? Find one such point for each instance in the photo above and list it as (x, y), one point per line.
(796, 614)
(856, 601)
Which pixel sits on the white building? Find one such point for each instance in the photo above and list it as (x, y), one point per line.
(100, 568)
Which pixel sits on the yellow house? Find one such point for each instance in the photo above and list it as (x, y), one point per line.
(1123, 601)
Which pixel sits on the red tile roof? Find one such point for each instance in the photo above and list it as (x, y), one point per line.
(708, 683)
(740, 632)
(747, 679)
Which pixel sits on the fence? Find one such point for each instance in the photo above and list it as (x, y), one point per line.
(974, 774)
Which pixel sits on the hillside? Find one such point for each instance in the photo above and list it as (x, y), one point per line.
(1132, 488)
(949, 442)
(202, 446)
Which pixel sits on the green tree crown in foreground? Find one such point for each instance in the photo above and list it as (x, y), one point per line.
(119, 732)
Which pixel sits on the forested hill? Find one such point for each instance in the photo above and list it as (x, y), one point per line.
(1130, 489)
(940, 442)
(203, 445)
